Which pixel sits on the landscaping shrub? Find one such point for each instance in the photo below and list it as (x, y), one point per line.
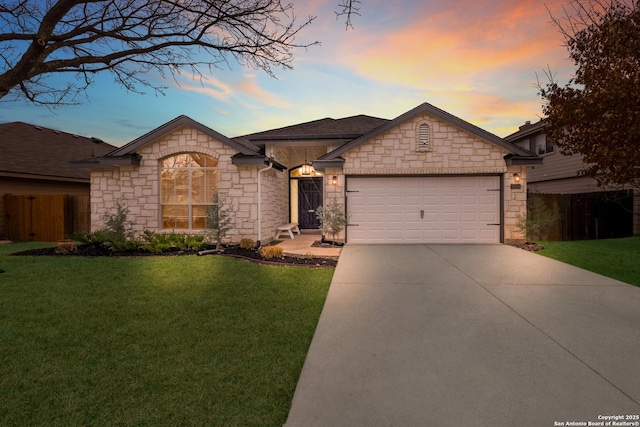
(218, 220)
(117, 233)
(270, 252)
(539, 219)
(247, 244)
(332, 219)
(163, 242)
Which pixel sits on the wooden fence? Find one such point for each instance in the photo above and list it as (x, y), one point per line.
(601, 215)
(45, 217)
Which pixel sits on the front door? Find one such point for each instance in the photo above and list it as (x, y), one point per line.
(309, 198)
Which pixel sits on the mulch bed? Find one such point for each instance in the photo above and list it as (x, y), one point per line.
(234, 251)
(529, 246)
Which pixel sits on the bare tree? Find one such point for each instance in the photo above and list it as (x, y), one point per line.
(348, 9)
(128, 38)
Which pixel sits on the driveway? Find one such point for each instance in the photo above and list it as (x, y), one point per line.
(469, 335)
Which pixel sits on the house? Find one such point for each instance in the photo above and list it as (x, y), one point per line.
(425, 176)
(35, 161)
(587, 211)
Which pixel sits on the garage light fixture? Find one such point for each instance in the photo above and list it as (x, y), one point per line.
(334, 180)
(516, 178)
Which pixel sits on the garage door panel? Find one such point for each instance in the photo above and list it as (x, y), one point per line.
(469, 217)
(469, 234)
(450, 234)
(489, 217)
(449, 200)
(424, 209)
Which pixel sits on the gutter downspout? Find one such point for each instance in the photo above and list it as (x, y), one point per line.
(258, 243)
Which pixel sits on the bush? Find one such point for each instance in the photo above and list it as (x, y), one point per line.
(539, 219)
(247, 244)
(117, 233)
(270, 252)
(164, 242)
(332, 219)
(218, 220)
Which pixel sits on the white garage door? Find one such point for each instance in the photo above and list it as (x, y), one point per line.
(460, 209)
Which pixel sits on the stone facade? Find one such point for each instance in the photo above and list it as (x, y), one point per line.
(452, 151)
(258, 194)
(139, 188)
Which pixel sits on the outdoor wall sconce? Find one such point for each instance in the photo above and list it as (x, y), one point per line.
(334, 180)
(516, 182)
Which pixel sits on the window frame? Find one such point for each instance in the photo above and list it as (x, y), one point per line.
(547, 144)
(190, 204)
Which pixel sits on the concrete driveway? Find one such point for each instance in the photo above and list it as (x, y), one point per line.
(469, 335)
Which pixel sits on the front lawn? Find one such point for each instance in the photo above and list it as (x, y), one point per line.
(616, 258)
(152, 341)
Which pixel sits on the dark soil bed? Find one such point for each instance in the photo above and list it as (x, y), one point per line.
(234, 251)
(529, 246)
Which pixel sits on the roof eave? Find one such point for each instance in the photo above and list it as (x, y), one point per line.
(22, 175)
(514, 160)
(321, 165)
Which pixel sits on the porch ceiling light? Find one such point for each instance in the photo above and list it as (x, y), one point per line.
(306, 169)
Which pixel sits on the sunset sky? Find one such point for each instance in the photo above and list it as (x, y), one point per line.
(475, 59)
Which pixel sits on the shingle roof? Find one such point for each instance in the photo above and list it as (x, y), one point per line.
(176, 123)
(31, 150)
(526, 130)
(327, 128)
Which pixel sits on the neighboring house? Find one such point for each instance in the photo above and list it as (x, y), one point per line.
(425, 176)
(587, 211)
(35, 161)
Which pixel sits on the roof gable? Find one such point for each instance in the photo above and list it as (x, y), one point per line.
(132, 147)
(435, 112)
(41, 152)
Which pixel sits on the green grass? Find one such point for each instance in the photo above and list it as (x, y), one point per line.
(152, 341)
(616, 258)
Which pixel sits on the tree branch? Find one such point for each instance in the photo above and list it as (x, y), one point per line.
(129, 36)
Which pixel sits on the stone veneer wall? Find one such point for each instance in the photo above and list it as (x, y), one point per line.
(139, 187)
(452, 151)
(275, 195)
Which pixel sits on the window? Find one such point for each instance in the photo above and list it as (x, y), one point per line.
(538, 144)
(542, 145)
(188, 182)
(423, 137)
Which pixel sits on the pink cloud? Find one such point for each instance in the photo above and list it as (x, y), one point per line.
(458, 43)
(250, 88)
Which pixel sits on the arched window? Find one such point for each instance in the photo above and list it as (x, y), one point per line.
(424, 135)
(188, 181)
